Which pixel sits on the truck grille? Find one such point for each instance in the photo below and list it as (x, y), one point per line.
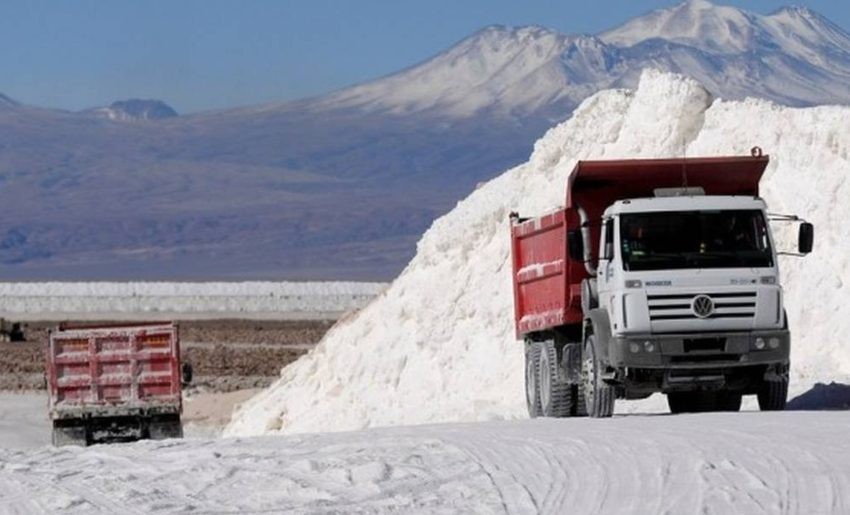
(727, 305)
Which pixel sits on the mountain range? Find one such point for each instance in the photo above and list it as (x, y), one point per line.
(341, 186)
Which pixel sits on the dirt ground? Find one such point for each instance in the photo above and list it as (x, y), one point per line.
(206, 414)
(226, 355)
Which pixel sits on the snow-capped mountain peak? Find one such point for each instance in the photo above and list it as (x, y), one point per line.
(491, 68)
(804, 32)
(797, 31)
(721, 29)
(136, 109)
(793, 56)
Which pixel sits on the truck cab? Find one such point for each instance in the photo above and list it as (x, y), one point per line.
(690, 287)
(661, 288)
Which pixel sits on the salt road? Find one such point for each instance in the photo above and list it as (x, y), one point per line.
(751, 462)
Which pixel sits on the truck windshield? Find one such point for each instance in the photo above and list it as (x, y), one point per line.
(694, 239)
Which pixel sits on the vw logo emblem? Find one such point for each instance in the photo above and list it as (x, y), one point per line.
(703, 306)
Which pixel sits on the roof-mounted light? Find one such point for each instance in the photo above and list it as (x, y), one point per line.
(692, 191)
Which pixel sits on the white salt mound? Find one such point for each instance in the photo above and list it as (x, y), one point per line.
(439, 344)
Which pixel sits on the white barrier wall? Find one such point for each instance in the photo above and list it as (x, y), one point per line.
(285, 299)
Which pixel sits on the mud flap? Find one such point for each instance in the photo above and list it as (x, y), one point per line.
(69, 434)
(571, 363)
(163, 427)
(601, 328)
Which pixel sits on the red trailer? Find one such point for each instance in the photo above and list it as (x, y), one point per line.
(115, 382)
(658, 275)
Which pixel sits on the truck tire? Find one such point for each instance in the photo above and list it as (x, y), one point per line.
(599, 396)
(532, 383)
(571, 360)
(555, 395)
(773, 394)
(165, 427)
(69, 434)
(579, 403)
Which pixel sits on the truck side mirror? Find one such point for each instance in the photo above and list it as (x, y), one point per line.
(186, 372)
(575, 245)
(806, 240)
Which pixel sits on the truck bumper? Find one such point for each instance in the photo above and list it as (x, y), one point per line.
(107, 411)
(677, 362)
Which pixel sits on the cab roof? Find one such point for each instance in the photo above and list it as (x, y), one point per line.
(689, 203)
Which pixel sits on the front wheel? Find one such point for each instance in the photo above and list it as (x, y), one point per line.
(598, 396)
(773, 394)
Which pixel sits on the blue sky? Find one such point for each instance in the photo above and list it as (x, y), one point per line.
(208, 54)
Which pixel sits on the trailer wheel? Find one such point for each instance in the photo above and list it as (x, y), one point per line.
(599, 396)
(69, 434)
(532, 383)
(164, 427)
(773, 394)
(555, 395)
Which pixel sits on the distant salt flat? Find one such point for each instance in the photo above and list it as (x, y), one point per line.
(186, 300)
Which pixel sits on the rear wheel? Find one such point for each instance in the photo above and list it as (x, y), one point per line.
(599, 396)
(773, 394)
(555, 395)
(579, 403)
(532, 385)
(572, 362)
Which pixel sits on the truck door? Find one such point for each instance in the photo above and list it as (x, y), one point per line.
(609, 274)
(605, 271)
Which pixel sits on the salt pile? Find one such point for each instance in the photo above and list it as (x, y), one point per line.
(439, 344)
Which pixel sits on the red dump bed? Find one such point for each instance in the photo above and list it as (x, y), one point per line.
(547, 283)
(114, 370)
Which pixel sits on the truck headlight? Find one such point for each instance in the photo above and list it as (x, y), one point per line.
(767, 279)
(760, 343)
(633, 283)
(634, 348)
(773, 343)
(648, 346)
